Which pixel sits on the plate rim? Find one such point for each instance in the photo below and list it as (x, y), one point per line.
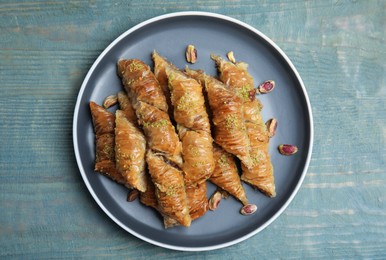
(181, 14)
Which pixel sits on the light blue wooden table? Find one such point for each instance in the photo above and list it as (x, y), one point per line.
(46, 49)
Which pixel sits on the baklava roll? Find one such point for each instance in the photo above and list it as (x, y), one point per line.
(260, 175)
(226, 175)
(169, 189)
(149, 199)
(130, 148)
(188, 101)
(197, 152)
(160, 133)
(141, 84)
(104, 124)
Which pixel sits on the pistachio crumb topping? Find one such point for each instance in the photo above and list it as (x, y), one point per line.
(243, 92)
(159, 123)
(195, 151)
(232, 122)
(199, 164)
(222, 161)
(134, 66)
(185, 103)
(108, 150)
(257, 158)
(171, 78)
(171, 190)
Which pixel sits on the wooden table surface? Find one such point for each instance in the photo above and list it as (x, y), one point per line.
(46, 49)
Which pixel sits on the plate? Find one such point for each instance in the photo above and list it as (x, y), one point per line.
(209, 33)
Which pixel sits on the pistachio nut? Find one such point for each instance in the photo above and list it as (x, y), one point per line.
(266, 87)
(191, 54)
(133, 195)
(288, 149)
(215, 200)
(248, 209)
(271, 127)
(110, 101)
(231, 57)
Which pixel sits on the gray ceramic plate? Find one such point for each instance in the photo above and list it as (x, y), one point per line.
(210, 33)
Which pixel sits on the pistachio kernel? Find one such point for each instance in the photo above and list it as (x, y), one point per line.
(215, 200)
(191, 54)
(110, 101)
(231, 57)
(287, 149)
(266, 87)
(132, 195)
(271, 127)
(248, 209)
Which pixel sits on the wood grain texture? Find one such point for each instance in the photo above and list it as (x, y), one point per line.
(46, 49)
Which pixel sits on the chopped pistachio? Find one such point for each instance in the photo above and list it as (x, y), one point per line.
(232, 122)
(244, 92)
(134, 66)
(185, 102)
(159, 123)
(223, 161)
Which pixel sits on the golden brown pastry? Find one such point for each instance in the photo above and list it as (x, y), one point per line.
(261, 175)
(169, 189)
(103, 120)
(141, 84)
(226, 175)
(197, 200)
(227, 117)
(197, 203)
(193, 126)
(197, 152)
(148, 197)
(108, 169)
(237, 77)
(160, 132)
(130, 148)
(188, 101)
(104, 124)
